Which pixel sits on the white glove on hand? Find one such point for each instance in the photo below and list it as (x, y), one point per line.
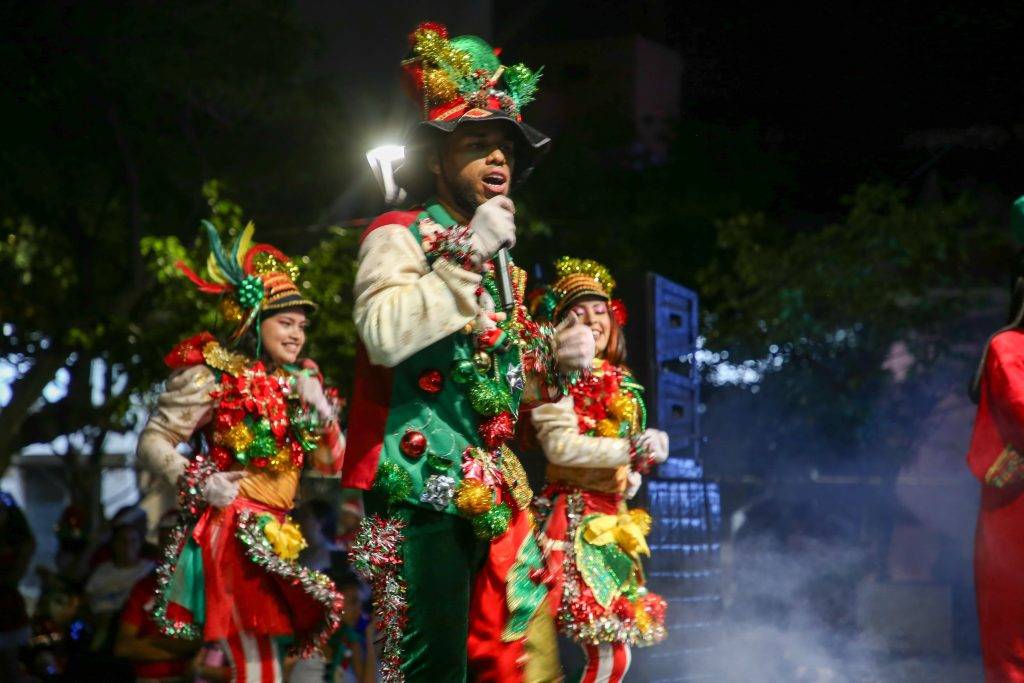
(656, 442)
(493, 227)
(220, 488)
(574, 345)
(311, 392)
(634, 480)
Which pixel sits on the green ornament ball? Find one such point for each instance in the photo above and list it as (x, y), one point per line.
(492, 523)
(463, 371)
(393, 482)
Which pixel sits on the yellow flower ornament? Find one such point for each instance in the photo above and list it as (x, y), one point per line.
(285, 538)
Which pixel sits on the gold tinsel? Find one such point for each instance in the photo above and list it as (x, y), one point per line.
(280, 461)
(607, 427)
(237, 438)
(230, 310)
(432, 48)
(643, 620)
(219, 358)
(264, 264)
(473, 497)
(623, 408)
(438, 87)
(569, 265)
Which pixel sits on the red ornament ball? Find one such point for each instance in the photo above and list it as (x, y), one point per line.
(431, 381)
(413, 444)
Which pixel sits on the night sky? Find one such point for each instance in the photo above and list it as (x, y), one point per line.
(844, 92)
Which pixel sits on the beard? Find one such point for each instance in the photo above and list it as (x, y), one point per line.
(463, 192)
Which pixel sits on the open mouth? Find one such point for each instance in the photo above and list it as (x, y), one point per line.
(496, 183)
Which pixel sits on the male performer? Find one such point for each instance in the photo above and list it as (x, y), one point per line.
(996, 458)
(442, 368)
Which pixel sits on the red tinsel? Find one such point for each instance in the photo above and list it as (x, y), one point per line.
(623, 609)
(221, 457)
(592, 392)
(435, 26)
(496, 430)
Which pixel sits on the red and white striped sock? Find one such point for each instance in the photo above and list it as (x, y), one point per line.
(606, 663)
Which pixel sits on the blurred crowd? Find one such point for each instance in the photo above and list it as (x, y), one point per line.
(93, 619)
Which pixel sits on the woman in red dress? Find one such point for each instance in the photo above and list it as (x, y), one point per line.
(232, 575)
(597, 445)
(996, 458)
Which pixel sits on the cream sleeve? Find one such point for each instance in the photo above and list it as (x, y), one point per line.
(560, 438)
(183, 407)
(402, 304)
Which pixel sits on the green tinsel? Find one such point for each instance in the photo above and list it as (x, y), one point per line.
(303, 420)
(262, 447)
(393, 482)
(481, 55)
(250, 292)
(260, 428)
(487, 398)
(521, 83)
(492, 523)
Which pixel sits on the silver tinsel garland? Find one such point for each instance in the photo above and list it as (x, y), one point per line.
(376, 556)
(315, 584)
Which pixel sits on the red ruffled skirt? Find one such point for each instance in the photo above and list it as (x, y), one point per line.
(245, 587)
(633, 614)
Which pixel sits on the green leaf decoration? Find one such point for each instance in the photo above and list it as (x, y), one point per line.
(604, 568)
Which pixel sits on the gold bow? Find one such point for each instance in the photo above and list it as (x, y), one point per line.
(286, 538)
(627, 530)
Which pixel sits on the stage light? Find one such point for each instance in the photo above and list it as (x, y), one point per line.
(383, 160)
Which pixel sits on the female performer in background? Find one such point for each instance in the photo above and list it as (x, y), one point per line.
(597, 447)
(232, 575)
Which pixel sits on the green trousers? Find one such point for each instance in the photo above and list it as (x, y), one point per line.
(440, 555)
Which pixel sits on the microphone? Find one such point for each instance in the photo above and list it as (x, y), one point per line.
(504, 280)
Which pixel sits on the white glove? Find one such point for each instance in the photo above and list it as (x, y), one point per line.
(311, 391)
(574, 345)
(634, 480)
(220, 488)
(656, 442)
(493, 227)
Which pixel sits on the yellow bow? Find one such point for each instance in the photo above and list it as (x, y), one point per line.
(286, 538)
(627, 530)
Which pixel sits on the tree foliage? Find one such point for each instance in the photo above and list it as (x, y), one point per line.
(822, 309)
(115, 115)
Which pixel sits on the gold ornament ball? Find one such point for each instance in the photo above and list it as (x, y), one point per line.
(482, 360)
(473, 497)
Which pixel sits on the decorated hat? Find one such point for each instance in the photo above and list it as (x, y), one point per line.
(252, 279)
(575, 279)
(457, 81)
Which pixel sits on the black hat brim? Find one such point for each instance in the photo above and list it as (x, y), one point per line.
(415, 178)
